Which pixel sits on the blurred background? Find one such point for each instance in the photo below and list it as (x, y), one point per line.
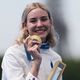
(66, 18)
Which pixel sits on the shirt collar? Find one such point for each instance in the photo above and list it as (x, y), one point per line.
(45, 45)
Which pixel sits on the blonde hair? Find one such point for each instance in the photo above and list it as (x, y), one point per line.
(24, 33)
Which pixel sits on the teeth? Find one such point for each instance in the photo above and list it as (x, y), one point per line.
(41, 29)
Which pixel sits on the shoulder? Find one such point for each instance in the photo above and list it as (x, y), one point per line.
(14, 52)
(14, 49)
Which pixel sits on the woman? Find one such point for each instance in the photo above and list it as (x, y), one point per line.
(25, 61)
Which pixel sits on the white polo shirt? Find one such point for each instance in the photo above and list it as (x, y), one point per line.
(16, 66)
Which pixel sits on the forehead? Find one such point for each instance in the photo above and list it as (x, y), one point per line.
(38, 12)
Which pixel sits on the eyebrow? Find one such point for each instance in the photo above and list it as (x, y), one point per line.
(44, 17)
(40, 17)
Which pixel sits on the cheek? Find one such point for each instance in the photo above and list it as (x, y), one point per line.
(49, 26)
(48, 23)
(49, 30)
(30, 27)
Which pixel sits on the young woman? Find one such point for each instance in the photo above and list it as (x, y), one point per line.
(25, 60)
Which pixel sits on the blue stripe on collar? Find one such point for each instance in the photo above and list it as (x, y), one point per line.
(45, 45)
(27, 53)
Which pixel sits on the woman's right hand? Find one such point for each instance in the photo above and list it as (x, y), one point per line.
(33, 47)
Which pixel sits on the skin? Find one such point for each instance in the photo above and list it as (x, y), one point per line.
(38, 18)
(37, 23)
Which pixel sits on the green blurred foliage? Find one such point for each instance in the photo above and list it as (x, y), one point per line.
(71, 71)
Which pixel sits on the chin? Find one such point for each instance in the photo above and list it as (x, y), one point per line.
(43, 36)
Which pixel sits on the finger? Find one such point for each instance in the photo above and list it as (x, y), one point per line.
(33, 49)
(35, 43)
(28, 42)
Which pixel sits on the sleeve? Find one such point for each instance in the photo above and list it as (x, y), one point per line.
(31, 77)
(12, 69)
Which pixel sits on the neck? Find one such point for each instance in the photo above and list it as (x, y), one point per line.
(44, 40)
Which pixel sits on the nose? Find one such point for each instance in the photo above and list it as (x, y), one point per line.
(39, 23)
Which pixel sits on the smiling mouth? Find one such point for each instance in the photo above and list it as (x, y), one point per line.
(40, 29)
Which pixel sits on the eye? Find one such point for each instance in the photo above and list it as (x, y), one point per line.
(44, 18)
(33, 20)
